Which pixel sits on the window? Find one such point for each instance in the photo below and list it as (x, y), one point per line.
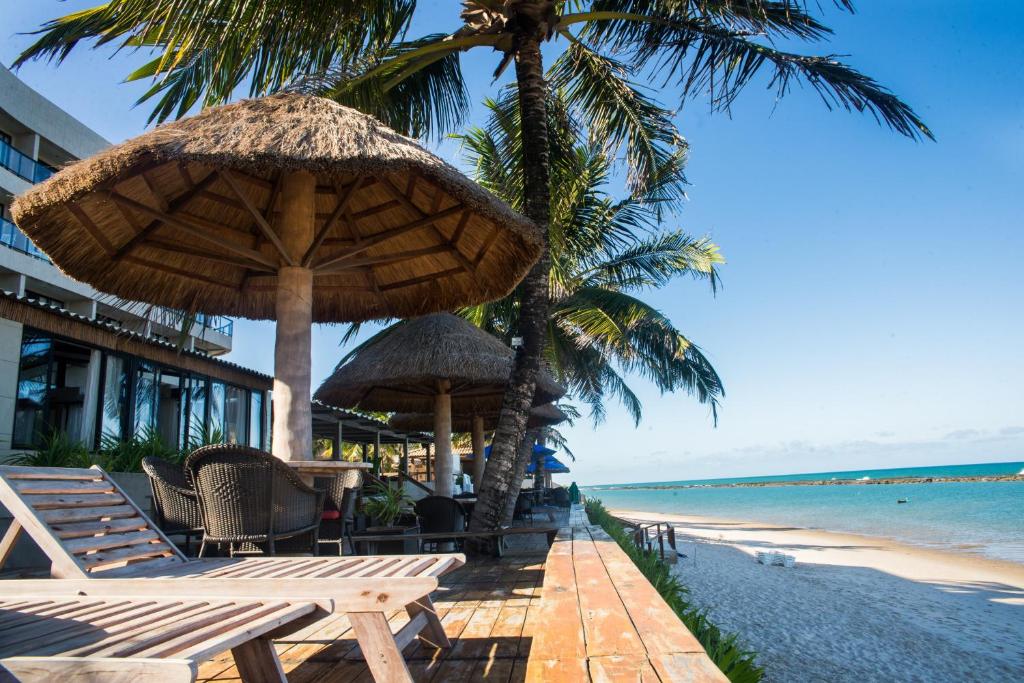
(197, 392)
(168, 407)
(114, 409)
(52, 377)
(256, 420)
(235, 409)
(216, 421)
(145, 398)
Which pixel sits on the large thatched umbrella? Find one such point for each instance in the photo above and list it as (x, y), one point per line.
(476, 424)
(291, 208)
(437, 363)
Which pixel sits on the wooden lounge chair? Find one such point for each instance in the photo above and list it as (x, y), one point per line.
(94, 533)
(48, 636)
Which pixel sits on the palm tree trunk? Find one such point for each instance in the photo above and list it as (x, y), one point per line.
(523, 456)
(501, 480)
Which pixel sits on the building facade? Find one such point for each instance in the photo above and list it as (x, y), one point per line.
(85, 363)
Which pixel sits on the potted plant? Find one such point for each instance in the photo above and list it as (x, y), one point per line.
(385, 506)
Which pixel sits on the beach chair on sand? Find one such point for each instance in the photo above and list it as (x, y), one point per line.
(48, 634)
(94, 534)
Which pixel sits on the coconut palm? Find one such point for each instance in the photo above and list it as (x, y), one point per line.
(605, 253)
(359, 53)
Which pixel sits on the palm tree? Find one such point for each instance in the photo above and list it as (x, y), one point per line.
(358, 53)
(604, 253)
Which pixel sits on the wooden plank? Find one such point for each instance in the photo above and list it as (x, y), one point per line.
(147, 616)
(507, 631)
(58, 486)
(560, 605)
(687, 667)
(111, 526)
(78, 670)
(75, 501)
(14, 472)
(257, 662)
(87, 514)
(113, 540)
(556, 670)
(606, 623)
(118, 556)
(383, 657)
(659, 627)
(9, 540)
(616, 669)
(202, 643)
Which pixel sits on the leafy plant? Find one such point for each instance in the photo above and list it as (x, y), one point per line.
(58, 450)
(385, 503)
(125, 455)
(734, 661)
(203, 435)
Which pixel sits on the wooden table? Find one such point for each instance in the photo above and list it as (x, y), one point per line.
(308, 469)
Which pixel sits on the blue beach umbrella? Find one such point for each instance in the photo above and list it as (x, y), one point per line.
(538, 451)
(552, 465)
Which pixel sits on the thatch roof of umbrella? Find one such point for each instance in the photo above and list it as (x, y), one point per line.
(184, 216)
(400, 369)
(542, 416)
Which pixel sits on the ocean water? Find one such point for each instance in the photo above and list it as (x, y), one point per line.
(986, 518)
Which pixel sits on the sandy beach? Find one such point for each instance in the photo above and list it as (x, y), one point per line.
(855, 608)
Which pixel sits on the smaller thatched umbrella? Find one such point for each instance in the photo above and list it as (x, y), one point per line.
(437, 363)
(546, 415)
(290, 207)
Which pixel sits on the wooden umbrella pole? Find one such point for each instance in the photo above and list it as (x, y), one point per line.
(443, 466)
(293, 419)
(478, 452)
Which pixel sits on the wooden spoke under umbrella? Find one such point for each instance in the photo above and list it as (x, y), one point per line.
(546, 415)
(438, 364)
(291, 208)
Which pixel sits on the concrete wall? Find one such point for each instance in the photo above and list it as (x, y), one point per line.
(27, 554)
(10, 356)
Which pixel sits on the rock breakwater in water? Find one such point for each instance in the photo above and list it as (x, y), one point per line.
(821, 482)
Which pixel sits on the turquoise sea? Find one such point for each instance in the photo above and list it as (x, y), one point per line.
(986, 518)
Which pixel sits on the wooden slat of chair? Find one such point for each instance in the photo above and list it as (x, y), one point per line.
(119, 556)
(92, 528)
(67, 625)
(76, 500)
(69, 473)
(133, 620)
(77, 670)
(60, 487)
(113, 539)
(68, 516)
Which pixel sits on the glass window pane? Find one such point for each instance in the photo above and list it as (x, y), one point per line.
(217, 408)
(70, 377)
(169, 407)
(145, 398)
(33, 388)
(198, 388)
(256, 420)
(235, 407)
(115, 398)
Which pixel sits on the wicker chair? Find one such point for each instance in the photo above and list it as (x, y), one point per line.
(250, 498)
(175, 501)
(438, 514)
(339, 516)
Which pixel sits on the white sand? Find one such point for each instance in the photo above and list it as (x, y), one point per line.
(855, 608)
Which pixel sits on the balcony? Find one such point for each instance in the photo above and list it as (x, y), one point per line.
(14, 238)
(23, 165)
(11, 236)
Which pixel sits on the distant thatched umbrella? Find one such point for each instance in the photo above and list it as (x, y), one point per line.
(291, 208)
(438, 363)
(542, 416)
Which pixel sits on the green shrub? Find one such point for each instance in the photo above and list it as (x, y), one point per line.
(58, 451)
(385, 503)
(735, 662)
(125, 455)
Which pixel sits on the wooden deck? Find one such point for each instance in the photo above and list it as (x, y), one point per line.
(488, 610)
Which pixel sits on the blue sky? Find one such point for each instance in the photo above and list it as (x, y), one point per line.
(871, 310)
